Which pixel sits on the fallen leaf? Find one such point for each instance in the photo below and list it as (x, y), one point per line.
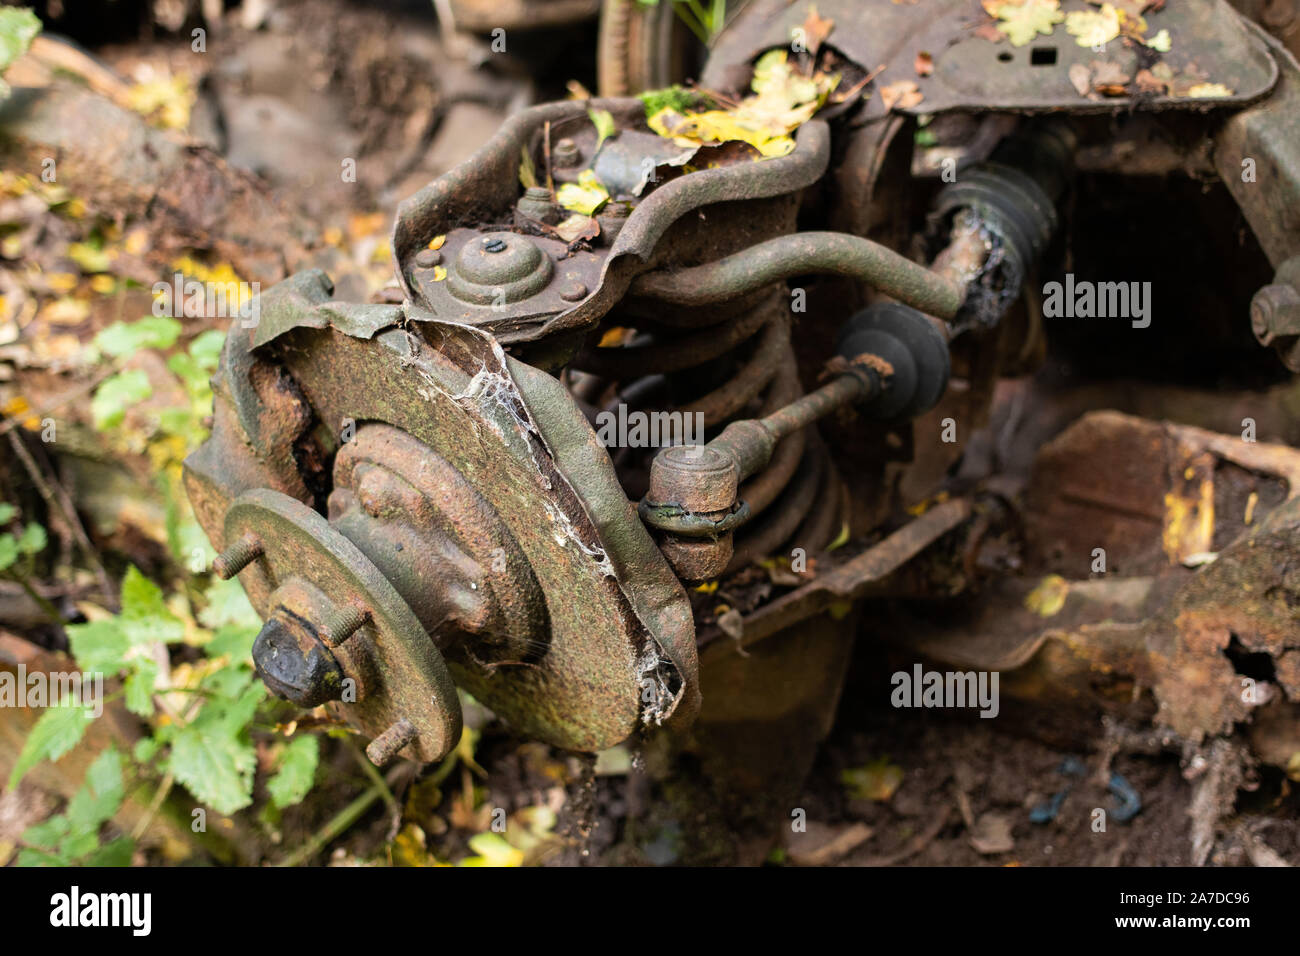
(585, 196)
(990, 32)
(923, 64)
(903, 94)
(1049, 597)
(1081, 78)
(1109, 79)
(992, 834)
(816, 29)
(1205, 91)
(578, 227)
(603, 120)
(1092, 28)
(1161, 42)
(876, 781)
(1025, 19)
(1148, 82)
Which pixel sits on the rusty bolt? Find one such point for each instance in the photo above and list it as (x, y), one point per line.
(573, 292)
(341, 623)
(697, 559)
(1275, 313)
(237, 556)
(386, 746)
(294, 663)
(428, 258)
(565, 153)
(698, 478)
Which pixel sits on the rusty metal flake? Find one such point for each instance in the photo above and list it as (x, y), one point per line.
(482, 191)
(585, 691)
(973, 73)
(399, 672)
(303, 300)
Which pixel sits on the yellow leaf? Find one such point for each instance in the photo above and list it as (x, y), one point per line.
(876, 781)
(437, 242)
(1049, 597)
(1092, 28)
(1209, 91)
(1022, 21)
(1161, 42)
(586, 196)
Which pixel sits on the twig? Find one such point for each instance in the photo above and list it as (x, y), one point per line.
(155, 804)
(59, 500)
(339, 824)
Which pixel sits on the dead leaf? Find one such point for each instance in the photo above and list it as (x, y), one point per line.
(816, 29)
(1209, 91)
(924, 64)
(1022, 20)
(1148, 82)
(903, 94)
(1081, 78)
(877, 780)
(578, 227)
(989, 31)
(1109, 79)
(1093, 28)
(992, 834)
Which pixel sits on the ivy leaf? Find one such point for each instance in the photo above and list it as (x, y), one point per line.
(297, 772)
(115, 395)
(57, 731)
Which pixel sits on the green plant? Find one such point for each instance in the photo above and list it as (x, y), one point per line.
(704, 18)
(199, 706)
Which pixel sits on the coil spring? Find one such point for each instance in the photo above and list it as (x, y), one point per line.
(721, 364)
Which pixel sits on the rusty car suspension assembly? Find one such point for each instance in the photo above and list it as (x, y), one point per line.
(414, 495)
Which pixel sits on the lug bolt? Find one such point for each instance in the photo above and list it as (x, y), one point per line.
(428, 258)
(342, 623)
(385, 747)
(237, 556)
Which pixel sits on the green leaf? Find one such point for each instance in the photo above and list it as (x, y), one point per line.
(206, 348)
(100, 646)
(100, 795)
(7, 512)
(604, 123)
(8, 551)
(139, 687)
(47, 834)
(215, 767)
(228, 604)
(122, 339)
(144, 750)
(33, 540)
(297, 771)
(57, 731)
(116, 394)
(18, 28)
(115, 853)
(39, 858)
(233, 641)
(145, 617)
